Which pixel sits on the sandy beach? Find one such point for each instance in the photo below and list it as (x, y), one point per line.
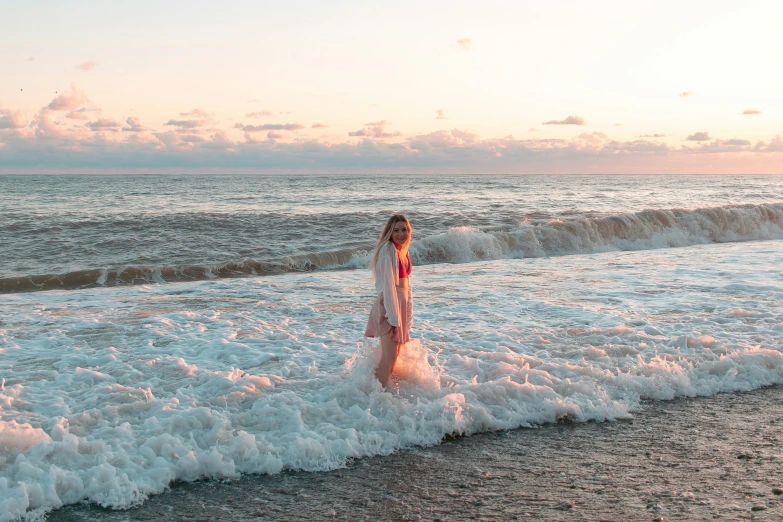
(703, 458)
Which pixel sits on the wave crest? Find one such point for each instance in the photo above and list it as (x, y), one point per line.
(648, 229)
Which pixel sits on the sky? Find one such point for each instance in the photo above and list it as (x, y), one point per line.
(391, 87)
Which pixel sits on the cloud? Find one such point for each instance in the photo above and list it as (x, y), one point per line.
(737, 143)
(270, 127)
(775, 145)
(30, 58)
(54, 143)
(86, 66)
(187, 124)
(80, 114)
(652, 136)
(261, 114)
(104, 124)
(201, 118)
(751, 111)
(571, 120)
(533, 129)
(134, 125)
(685, 94)
(699, 136)
(198, 113)
(465, 43)
(319, 126)
(618, 124)
(441, 115)
(68, 100)
(46, 127)
(445, 140)
(12, 119)
(254, 100)
(376, 129)
(446, 151)
(722, 146)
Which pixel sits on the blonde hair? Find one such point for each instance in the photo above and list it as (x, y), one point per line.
(385, 237)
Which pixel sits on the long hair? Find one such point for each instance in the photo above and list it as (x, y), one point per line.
(385, 237)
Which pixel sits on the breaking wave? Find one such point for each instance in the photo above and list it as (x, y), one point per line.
(647, 229)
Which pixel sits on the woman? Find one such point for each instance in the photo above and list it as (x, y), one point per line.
(392, 313)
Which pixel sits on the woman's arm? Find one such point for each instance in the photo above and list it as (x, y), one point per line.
(410, 305)
(385, 271)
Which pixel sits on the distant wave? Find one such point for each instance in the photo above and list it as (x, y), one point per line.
(648, 229)
(142, 275)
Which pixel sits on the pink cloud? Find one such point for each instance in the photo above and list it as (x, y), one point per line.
(201, 113)
(219, 140)
(441, 151)
(68, 100)
(775, 145)
(699, 136)
(134, 125)
(751, 111)
(737, 143)
(30, 58)
(12, 119)
(440, 114)
(453, 139)
(104, 124)
(270, 127)
(47, 127)
(53, 142)
(376, 129)
(261, 114)
(86, 66)
(80, 114)
(653, 136)
(685, 94)
(319, 126)
(721, 146)
(571, 120)
(201, 118)
(187, 124)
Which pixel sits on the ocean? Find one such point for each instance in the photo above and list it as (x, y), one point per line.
(158, 329)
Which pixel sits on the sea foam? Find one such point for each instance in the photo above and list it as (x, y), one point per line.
(112, 394)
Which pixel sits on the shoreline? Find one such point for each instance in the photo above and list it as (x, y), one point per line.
(703, 458)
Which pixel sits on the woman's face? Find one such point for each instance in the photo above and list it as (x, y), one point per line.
(399, 233)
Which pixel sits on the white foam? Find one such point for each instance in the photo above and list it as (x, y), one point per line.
(111, 394)
(644, 230)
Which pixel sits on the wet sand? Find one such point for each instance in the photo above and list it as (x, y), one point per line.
(706, 458)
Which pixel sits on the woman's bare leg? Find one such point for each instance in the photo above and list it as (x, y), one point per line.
(389, 351)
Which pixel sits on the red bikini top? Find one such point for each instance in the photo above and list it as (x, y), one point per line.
(405, 271)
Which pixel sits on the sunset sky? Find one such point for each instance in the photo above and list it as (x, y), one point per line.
(433, 86)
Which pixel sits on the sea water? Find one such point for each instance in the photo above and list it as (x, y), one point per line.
(162, 328)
